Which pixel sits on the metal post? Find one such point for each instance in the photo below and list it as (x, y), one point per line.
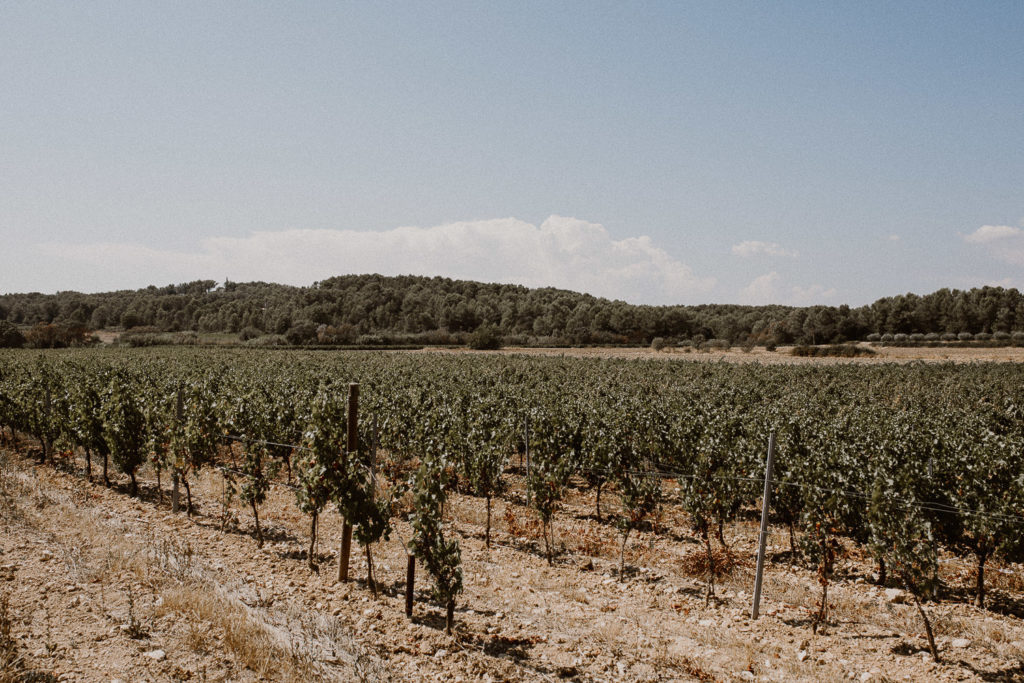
(764, 527)
(179, 412)
(351, 448)
(410, 580)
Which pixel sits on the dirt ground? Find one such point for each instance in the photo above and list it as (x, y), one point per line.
(100, 586)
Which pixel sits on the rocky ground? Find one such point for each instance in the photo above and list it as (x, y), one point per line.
(99, 586)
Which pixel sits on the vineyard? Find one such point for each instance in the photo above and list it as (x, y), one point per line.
(913, 466)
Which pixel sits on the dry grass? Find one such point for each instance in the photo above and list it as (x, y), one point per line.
(726, 562)
(207, 617)
(10, 662)
(210, 617)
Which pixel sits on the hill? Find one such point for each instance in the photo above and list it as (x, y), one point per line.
(374, 309)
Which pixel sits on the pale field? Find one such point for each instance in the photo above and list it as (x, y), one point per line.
(781, 356)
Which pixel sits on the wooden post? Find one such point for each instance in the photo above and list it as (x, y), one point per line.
(764, 527)
(526, 440)
(351, 448)
(410, 580)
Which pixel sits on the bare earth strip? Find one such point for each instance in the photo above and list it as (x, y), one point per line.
(884, 354)
(103, 586)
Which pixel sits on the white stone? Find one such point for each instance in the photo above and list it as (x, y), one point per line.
(158, 655)
(801, 655)
(866, 676)
(895, 595)
(960, 643)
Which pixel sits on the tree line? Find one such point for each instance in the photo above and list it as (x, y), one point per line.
(374, 309)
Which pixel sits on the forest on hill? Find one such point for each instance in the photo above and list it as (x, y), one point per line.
(374, 309)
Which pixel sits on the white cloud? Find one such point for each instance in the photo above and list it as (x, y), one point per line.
(763, 289)
(749, 248)
(767, 289)
(894, 238)
(560, 252)
(992, 233)
(808, 296)
(1003, 242)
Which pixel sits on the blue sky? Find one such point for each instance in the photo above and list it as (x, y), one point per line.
(656, 152)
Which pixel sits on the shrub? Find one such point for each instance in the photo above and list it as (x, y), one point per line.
(329, 334)
(874, 336)
(53, 336)
(948, 336)
(248, 333)
(1018, 336)
(965, 336)
(485, 337)
(837, 350)
(371, 340)
(267, 340)
(983, 336)
(900, 337)
(658, 343)
(1001, 336)
(931, 336)
(301, 333)
(888, 337)
(10, 336)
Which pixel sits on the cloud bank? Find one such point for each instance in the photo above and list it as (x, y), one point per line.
(768, 289)
(987, 234)
(1003, 242)
(560, 252)
(749, 248)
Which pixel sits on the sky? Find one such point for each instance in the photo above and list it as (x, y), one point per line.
(656, 152)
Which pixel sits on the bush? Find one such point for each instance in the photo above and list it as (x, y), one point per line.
(10, 336)
(268, 340)
(932, 336)
(1001, 336)
(965, 336)
(248, 333)
(329, 334)
(948, 336)
(485, 337)
(52, 336)
(658, 343)
(874, 336)
(143, 337)
(982, 336)
(301, 333)
(837, 350)
(1018, 336)
(888, 337)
